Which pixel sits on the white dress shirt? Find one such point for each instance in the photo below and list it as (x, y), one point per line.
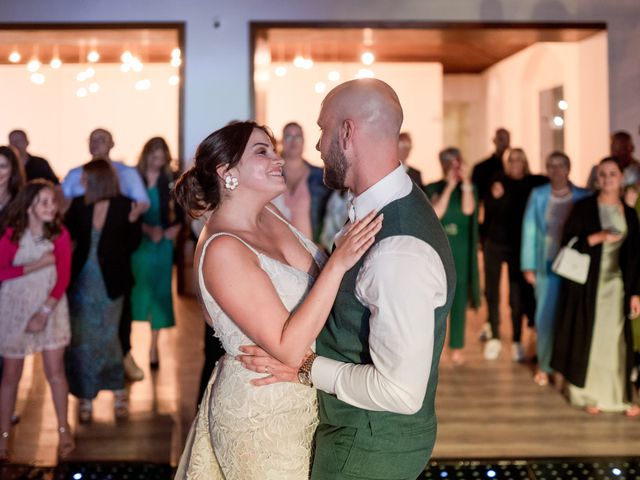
(402, 281)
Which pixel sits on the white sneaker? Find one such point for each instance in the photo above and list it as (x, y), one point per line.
(131, 370)
(492, 349)
(517, 352)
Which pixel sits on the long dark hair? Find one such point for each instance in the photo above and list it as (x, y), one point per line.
(17, 178)
(17, 216)
(101, 181)
(199, 188)
(153, 144)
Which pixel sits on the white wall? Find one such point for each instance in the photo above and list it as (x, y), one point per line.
(218, 68)
(507, 95)
(58, 122)
(418, 85)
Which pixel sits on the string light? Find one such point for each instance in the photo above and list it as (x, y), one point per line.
(15, 57)
(93, 56)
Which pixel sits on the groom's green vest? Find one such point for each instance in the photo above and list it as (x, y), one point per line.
(346, 333)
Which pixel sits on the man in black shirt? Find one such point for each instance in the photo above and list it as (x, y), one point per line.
(34, 167)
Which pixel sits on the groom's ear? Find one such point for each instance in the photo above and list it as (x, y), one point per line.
(347, 129)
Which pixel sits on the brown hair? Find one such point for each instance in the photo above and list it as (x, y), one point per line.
(613, 160)
(153, 144)
(17, 216)
(101, 181)
(199, 188)
(17, 178)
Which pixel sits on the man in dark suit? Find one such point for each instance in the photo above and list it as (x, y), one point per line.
(404, 149)
(34, 167)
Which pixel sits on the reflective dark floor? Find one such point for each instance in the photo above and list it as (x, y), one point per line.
(532, 469)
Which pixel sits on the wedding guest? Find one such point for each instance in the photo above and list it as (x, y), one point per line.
(547, 211)
(593, 345)
(35, 255)
(152, 262)
(404, 149)
(34, 167)
(11, 178)
(105, 235)
(304, 202)
(505, 207)
(454, 201)
(131, 186)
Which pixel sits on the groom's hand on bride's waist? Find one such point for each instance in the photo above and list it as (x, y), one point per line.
(257, 360)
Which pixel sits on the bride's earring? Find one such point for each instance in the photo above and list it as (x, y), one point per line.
(230, 182)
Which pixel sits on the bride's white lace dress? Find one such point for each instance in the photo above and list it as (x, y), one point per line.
(245, 432)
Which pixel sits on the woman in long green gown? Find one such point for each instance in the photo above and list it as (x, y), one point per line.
(152, 262)
(455, 203)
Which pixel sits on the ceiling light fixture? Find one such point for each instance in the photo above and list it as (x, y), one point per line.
(34, 65)
(367, 58)
(334, 75)
(364, 73)
(15, 57)
(93, 56)
(37, 78)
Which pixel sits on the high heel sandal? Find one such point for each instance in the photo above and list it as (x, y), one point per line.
(66, 443)
(120, 405)
(4, 452)
(85, 410)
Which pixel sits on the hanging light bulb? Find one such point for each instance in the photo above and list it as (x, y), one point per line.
(37, 78)
(34, 65)
(174, 80)
(281, 71)
(81, 76)
(125, 67)
(320, 87)
(81, 92)
(93, 56)
(175, 53)
(334, 75)
(299, 61)
(367, 58)
(136, 64)
(89, 73)
(15, 57)
(176, 62)
(364, 73)
(563, 105)
(55, 63)
(94, 87)
(126, 56)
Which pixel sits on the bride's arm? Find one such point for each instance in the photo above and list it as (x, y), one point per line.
(233, 276)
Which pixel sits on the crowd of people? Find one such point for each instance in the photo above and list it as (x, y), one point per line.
(80, 259)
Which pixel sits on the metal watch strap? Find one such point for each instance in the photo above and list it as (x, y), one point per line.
(305, 369)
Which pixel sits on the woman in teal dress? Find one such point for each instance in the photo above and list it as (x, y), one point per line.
(455, 203)
(152, 262)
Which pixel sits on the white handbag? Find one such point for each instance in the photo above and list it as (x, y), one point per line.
(571, 264)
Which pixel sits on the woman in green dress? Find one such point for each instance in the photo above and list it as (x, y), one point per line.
(152, 262)
(455, 203)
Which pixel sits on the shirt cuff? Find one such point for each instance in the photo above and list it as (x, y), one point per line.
(323, 374)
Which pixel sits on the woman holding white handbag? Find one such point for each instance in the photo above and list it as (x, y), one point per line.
(593, 346)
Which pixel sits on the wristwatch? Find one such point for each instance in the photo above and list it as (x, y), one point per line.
(304, 372)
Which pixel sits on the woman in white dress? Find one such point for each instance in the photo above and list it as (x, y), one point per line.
(255, 273)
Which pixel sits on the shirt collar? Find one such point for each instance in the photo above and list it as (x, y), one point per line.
(393, 186)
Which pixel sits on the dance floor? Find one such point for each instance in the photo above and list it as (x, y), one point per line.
(494, 422)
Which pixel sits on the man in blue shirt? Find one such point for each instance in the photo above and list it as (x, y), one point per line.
(131, 186)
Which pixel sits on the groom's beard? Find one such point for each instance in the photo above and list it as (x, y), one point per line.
(336, 167)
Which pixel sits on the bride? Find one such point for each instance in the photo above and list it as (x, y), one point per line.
(255, 273)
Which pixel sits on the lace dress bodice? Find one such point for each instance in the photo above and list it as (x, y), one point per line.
(243, 431)
(291, 284)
